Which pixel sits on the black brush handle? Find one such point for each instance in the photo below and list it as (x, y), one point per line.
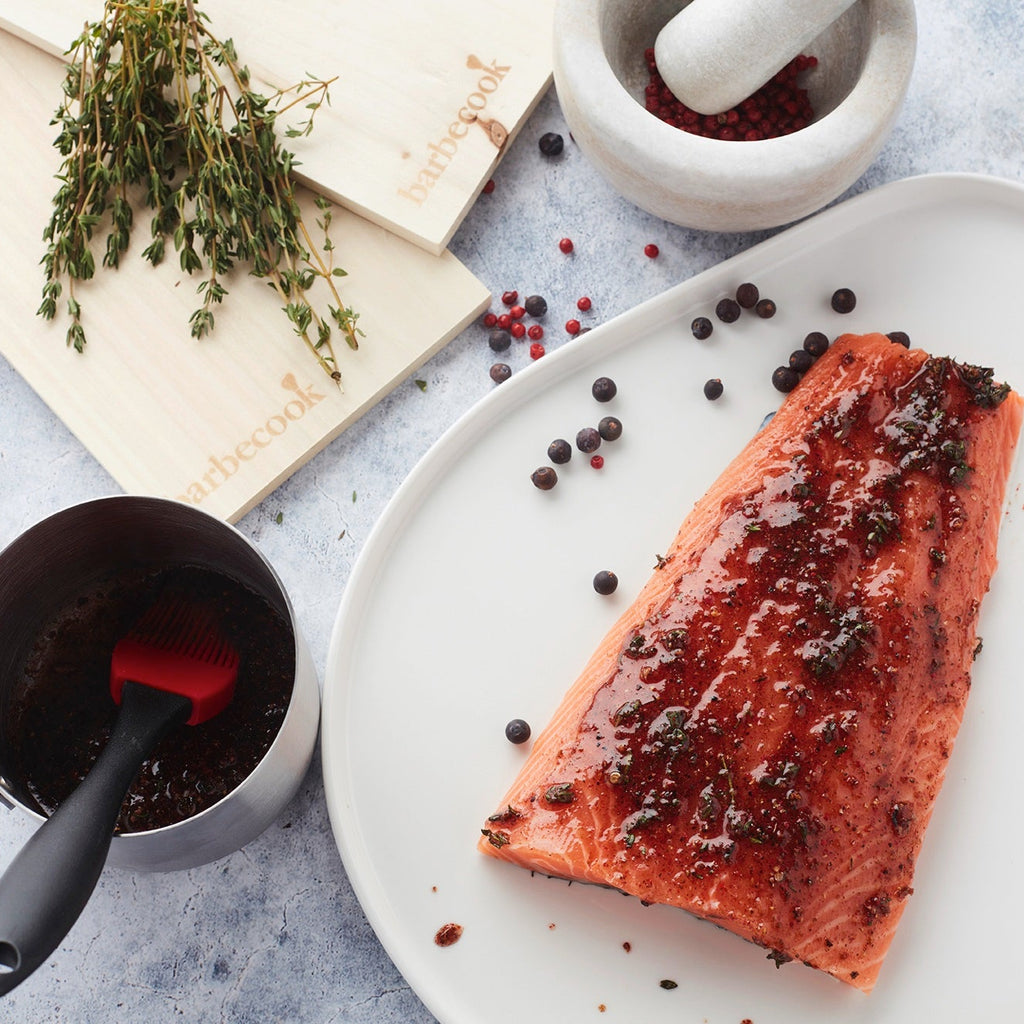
(49, 882)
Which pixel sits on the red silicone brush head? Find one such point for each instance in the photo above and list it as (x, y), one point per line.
(177, 646)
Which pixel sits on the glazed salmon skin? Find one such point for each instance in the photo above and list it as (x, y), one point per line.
(761, 736)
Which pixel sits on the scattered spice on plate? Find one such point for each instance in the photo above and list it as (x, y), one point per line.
(517, 731)
(597, 462)
(713, 389)
(702, 328)
(544, 478)
(588, 440)
(801, 360)
(610, 428)
(785, 378)
(604, 389)
(747, 295)
(500, 372)
(668, 983)
(727, 310)
(560, 451)
(900, 338)
(448, 934)
(816, 343)
(606, 582)
(765, 309)
(844, 300)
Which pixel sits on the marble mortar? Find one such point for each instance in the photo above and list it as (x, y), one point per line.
(865, 61)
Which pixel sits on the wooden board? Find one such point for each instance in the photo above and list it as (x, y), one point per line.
(218, 422)
(425, 97)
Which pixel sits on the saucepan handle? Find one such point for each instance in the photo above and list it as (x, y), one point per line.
(50, 880)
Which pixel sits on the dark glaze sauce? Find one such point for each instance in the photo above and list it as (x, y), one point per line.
(720, 755)
(61, 710)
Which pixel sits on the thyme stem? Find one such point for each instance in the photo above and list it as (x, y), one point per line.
(158, 111)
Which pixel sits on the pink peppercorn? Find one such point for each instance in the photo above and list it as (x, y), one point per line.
(572, 326)
(509, 298)
(536, 350)
(504, 321)
(536, 332)
(488, 187)
(597, 461)
(583, 304)
(779, 107)
(651, 250)
(517, 312)
(490, 320)
(566, 245)
(517, 330)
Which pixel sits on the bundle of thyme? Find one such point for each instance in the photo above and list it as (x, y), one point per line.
(158, 112)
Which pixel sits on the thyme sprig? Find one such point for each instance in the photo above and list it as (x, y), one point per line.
(158, 112)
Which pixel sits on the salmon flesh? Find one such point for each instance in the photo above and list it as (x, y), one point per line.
(761, 737)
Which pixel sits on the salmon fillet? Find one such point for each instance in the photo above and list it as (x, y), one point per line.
(761, 737)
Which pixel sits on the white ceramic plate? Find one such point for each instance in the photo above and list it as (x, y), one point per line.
(472, 604)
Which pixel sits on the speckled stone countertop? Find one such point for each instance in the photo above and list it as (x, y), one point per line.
(274, 932)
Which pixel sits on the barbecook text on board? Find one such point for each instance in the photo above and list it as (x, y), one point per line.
(220, 469)
(440, 153)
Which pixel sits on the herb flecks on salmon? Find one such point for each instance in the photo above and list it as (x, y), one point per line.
(761, 737)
